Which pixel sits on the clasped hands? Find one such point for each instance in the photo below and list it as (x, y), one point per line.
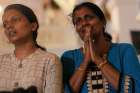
(90, 53)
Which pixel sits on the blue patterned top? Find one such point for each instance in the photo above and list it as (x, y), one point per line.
(121, 55)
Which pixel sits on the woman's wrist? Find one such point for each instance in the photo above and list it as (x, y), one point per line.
(102, 64)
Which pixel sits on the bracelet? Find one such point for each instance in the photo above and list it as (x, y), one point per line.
(82, 67)
(101, 65)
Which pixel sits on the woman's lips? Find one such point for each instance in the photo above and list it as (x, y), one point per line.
(11, 33)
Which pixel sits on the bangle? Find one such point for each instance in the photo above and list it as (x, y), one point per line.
(83, 67)
(101, 65)
(80, 68)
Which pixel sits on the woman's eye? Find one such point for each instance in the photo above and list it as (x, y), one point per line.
(89, 17)
(12, 21)
(4, 25)
(15, 19)
(77, 21)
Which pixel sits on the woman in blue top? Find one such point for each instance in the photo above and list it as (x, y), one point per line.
(99, 66)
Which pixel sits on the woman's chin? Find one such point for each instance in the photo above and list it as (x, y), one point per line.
(12, 41)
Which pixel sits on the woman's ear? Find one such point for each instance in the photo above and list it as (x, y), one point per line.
(34, 26)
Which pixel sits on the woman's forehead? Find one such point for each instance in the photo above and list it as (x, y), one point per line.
(83, 10)
(8, 14)
(12, 12)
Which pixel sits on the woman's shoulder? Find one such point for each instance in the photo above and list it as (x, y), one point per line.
(49, 56)
(7, 55)
(71, 52)
(122, 45)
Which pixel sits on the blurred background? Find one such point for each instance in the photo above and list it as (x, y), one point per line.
(56, 32)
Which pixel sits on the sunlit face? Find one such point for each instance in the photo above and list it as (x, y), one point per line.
(84, 19)
(16, 26)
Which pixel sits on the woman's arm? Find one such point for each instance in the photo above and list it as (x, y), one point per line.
(79, 75)
(78, 78)
(53, 82)
(111, 74)
(131, 66)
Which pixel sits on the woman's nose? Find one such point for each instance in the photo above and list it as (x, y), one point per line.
(83, 22)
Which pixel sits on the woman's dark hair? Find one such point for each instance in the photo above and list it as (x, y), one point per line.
(94, 8)
(29, 14)
(107, 36)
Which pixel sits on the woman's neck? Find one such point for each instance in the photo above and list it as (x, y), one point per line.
(24, 50)
(102, 46)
